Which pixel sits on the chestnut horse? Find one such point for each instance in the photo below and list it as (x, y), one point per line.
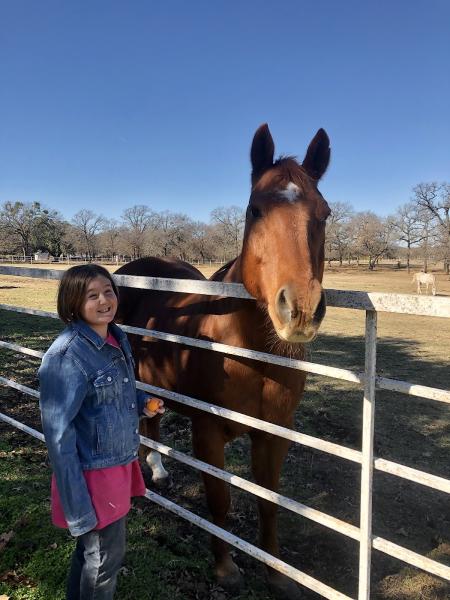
(281, 265)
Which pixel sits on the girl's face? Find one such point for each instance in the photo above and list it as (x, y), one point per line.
(100, 304)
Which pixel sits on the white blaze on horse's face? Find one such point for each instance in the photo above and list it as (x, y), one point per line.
(290, 192)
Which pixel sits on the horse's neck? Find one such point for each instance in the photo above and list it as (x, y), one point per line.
(245, 316)
(232, 273)
(268, 341)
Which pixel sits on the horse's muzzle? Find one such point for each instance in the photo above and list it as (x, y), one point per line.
(294, 323)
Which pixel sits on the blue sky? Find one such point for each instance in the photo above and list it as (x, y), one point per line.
(105, 104)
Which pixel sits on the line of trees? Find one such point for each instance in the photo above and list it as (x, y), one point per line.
(418, 229)
(27, 228)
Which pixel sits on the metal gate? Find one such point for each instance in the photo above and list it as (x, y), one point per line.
(368, 380)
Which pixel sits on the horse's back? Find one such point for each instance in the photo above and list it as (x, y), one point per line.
(133, 298)
(425, 277)
(157, 360)
(153, 266)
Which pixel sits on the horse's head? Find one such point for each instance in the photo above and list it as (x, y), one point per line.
(282, 257)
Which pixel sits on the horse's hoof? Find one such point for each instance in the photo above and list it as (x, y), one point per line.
(162, 483)
(230, 579)
(284, 588)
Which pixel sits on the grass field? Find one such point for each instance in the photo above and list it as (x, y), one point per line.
(168, 558)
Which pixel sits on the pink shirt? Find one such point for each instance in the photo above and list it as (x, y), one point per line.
(110, 489)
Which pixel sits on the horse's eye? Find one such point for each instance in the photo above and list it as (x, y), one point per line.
(255, 211)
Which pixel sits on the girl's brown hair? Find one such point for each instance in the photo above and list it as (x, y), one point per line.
(73, 286)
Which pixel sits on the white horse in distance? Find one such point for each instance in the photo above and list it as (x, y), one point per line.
(425, 279)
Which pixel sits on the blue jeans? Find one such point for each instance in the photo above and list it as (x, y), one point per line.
(96, 561)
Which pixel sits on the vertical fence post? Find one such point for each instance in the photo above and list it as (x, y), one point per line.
(365, 548)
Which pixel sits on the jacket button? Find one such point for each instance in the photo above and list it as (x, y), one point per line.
(136, 431)
(109, 379)
(133, 405)
(125, 379)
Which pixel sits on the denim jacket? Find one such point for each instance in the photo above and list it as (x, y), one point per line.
(90, 411)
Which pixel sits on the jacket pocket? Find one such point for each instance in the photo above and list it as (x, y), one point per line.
(106, 386)
(104, 438)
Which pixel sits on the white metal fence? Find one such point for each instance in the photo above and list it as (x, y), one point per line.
(368, 380)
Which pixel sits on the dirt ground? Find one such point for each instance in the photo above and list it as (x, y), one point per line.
(408, 430)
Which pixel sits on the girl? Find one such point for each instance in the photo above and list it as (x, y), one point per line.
(90, 410)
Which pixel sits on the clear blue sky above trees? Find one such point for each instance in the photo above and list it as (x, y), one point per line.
(108, 104)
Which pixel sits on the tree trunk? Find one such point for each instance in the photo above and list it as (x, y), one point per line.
(447, 258)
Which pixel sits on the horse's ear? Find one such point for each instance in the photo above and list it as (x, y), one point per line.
(318, 155)
(262, 152)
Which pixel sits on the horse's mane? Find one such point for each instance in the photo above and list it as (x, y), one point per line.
(293, 170)
(220, 274)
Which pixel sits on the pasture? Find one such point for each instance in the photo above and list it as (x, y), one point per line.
(411, 431)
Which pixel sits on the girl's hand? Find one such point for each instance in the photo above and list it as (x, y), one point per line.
(153, 407)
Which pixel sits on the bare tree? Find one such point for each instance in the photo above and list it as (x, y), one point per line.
(110, 237)
(173, 234)
(337, 231)
(230, 226)
(181, 236)
(429, 230)
(137, 220)
(373, 235)
(203, 246)
(435, 198)
(409, 228)
(86, 225)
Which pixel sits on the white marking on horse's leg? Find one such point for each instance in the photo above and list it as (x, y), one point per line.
(290, 192)
(154, 462)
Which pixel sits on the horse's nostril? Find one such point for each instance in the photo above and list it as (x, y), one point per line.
(287, 305)
(321, 309)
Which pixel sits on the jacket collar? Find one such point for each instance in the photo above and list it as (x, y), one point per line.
(83, 329)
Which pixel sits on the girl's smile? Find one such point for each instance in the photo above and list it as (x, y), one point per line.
(100, 305)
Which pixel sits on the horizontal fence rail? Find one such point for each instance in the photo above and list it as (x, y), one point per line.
(382, 383)
(347, 529)
(381, 464)
(371, 303)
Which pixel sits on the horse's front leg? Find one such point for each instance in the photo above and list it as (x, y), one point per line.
(208, 443)
(268, 454)
(150, 428)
